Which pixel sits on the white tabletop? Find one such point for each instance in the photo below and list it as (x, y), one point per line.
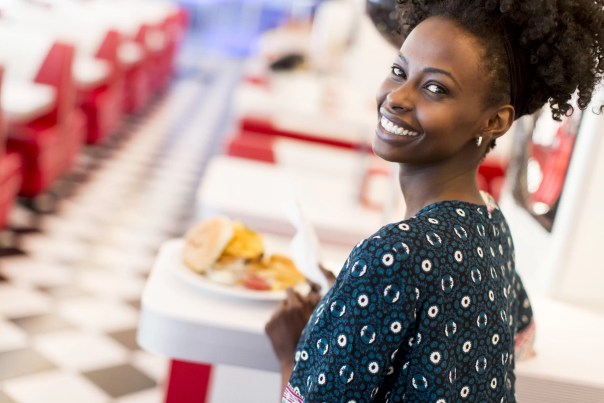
(23, 101)
(130, 53)
(260, 194)
(90, 72)
(568, 344)
(182, 321)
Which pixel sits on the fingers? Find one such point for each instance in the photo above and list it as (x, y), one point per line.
(314, 287)
(313, 298)
(293, 299)
(327, 273)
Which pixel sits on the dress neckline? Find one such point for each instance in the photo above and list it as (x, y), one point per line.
(488, 207)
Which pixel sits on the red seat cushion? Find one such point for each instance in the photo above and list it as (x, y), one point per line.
(10, 182)
(103, 110)
(252, 146)
(42, 154)
(261, 126)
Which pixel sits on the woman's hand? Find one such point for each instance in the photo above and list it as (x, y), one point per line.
(331, 278)
(288, 321)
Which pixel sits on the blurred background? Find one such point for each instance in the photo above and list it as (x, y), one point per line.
(124, 122)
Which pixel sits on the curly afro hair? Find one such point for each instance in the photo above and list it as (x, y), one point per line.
(558, 45)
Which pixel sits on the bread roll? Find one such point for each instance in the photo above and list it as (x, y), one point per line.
(205, 242)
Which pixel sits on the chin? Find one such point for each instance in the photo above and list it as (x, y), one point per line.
(385, 151)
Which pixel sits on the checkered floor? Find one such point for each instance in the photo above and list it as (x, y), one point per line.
(69, 303)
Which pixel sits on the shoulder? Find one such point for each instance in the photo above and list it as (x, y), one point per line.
(389, 252)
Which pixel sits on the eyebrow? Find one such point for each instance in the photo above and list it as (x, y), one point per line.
(433, 70)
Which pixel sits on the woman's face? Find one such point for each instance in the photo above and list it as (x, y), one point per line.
(431, 106)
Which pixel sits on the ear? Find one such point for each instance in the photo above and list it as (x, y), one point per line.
(499, 122)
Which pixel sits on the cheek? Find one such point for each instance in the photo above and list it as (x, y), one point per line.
(382, 92)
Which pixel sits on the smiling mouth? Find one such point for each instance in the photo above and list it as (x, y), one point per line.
(392, 128)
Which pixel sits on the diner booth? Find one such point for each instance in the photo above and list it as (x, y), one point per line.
(10, 173)
(43, 125)
(72, 72)
(71, 75)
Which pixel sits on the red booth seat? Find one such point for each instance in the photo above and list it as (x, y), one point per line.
(10, 175)
(173, 28)
(137, 93)
(97, 71)
(253, 146)
(251, 124)
(10, 182)
(102, 104)
(491, 177)
(49, 144)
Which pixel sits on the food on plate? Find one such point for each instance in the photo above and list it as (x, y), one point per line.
(206, 241)
(228, 252)
(245, 243)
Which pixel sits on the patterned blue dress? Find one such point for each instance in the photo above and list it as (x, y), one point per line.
(424, 310)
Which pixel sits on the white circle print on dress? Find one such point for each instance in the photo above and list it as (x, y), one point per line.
(388, 259)
(363, 301)
(465, 391)
(426, 265)
(373, 367)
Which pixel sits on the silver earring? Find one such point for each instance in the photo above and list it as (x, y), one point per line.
(478, 141)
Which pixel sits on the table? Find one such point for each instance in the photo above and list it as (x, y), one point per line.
(23, 101)
(191, 326)
(569, 365)
(90, 72)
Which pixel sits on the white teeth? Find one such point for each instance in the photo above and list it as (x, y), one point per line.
(394, 129)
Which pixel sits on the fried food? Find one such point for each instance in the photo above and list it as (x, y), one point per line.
(229, 253)
(279, 271)
(245, 243)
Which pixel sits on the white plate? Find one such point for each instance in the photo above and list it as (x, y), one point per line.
(202, 283)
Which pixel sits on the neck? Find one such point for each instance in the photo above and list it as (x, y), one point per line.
(422, 186)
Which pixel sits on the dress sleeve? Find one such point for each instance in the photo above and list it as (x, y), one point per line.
(354, 335)
(525, 325)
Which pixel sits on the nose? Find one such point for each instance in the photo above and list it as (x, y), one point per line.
(399, 98)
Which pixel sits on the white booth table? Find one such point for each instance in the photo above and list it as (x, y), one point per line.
(23, 101)
(183, 322)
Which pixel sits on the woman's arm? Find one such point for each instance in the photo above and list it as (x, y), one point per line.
(286, 373)
(286, 325)
(355, 334)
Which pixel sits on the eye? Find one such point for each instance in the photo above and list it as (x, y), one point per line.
(397, 71)
(436, 89)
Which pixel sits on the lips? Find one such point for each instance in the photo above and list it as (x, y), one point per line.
(395, 126)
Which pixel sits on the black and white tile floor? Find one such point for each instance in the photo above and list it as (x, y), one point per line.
(69, 304)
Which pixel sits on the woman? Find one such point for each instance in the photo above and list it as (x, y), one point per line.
(428, 309)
